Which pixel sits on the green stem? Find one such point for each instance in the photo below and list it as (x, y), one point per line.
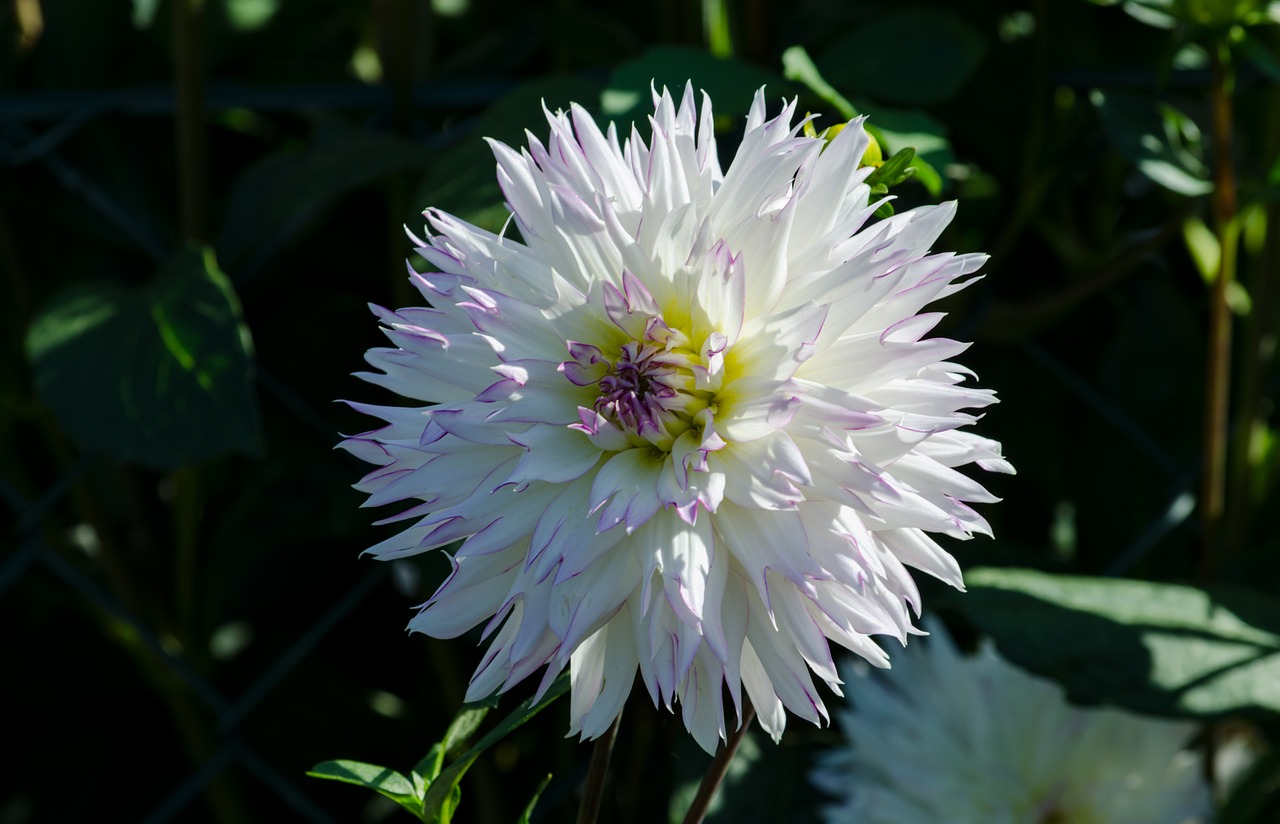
(715, 23)
(719, 768)
(1218, 344)
(188, 60)
(1247, 479)
(597, 774)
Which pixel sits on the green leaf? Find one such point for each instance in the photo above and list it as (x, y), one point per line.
(798, 66)
(533, 802)
(1164, 649)
(249, 15)
(898, 129)
(144, 12)
(441, 797)
(919, 56)
(893, 171)
(1206, 252)
(1156, 13)
(464, 725)
(160, 376)
(426, 770)
(731, 83)
(1203, 246)
(1260, 57)
(383, 780)
(1161, 141)
(273, 199)
(894, 129)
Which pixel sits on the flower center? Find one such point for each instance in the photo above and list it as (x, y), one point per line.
(644, 384)
(654, 388)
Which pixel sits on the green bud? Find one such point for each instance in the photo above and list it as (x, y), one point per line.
(871, 157)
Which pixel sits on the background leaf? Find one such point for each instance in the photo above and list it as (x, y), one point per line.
(920, 56)
(1165, 649)
(1156, 139)
(275, 197)
(161, 376)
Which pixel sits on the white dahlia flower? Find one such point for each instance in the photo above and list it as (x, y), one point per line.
(688, 425)
(948, 739)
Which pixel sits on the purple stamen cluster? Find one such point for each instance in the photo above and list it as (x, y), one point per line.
(637, 390)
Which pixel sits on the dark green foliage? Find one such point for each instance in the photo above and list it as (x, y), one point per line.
(160, 375)
(178, 546)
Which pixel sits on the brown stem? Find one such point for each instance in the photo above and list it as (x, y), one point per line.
(1249, 487)
(1218, 350)
(1218, 344)
(597, 774)
(719, 768)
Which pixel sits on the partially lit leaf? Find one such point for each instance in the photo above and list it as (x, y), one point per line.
(160, 376)
(1164, 649)
(1203, 246)
(383, 780)
(917, 56)
(1161, 141)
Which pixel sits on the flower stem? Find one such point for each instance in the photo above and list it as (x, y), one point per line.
(719, 768)
(1218, 345)
(1218, 350)
(1247, 476)
(597, 773)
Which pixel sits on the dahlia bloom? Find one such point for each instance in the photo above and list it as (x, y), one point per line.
(987, 743)
(689, 425)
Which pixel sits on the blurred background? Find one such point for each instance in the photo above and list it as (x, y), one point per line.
(198, 198)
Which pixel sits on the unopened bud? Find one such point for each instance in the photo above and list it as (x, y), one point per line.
(871, 157)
